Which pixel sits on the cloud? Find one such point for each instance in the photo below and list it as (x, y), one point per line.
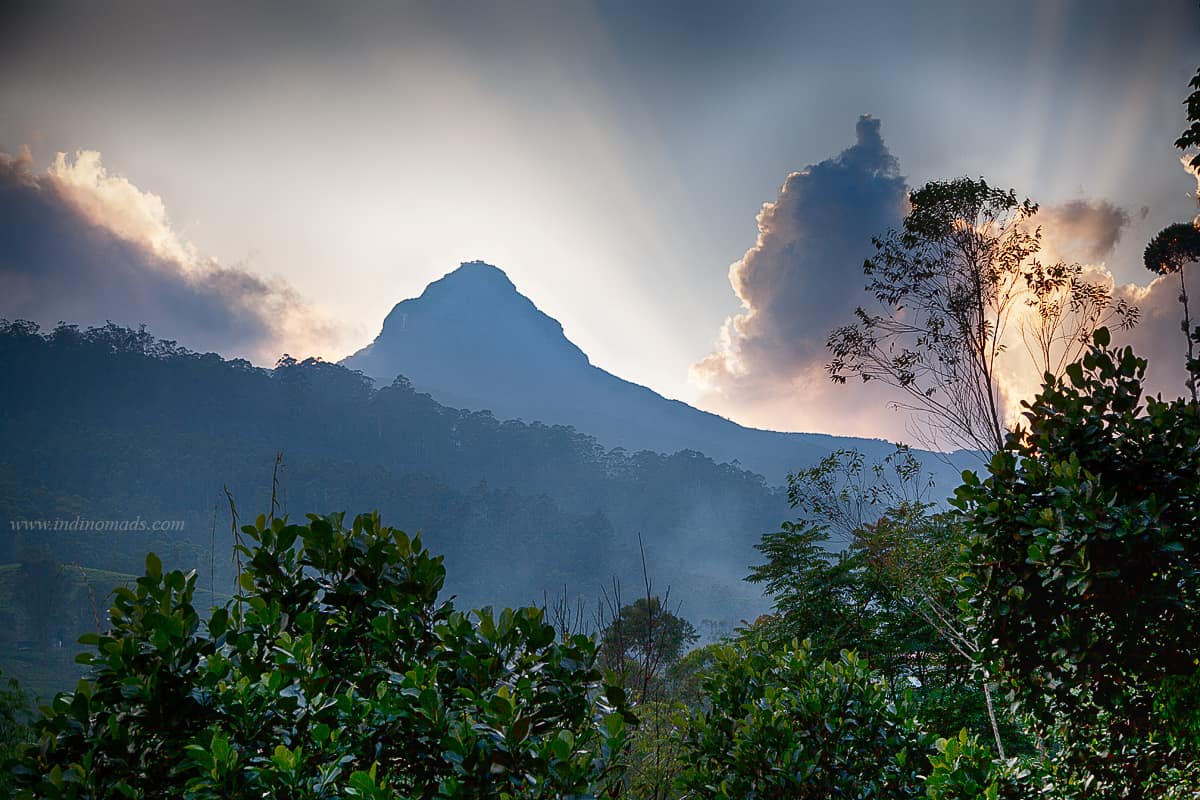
(112, 202)
(1157, 336)
(802, 278)
(1194, 171)
(82, 246)
(1083, 231)
(1087, 231)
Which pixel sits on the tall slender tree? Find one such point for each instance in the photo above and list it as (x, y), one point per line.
(954, 286)
(1178, 245)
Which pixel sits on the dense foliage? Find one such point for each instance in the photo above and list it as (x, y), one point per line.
(781, 724)
(1084, 573)
(865, 568)
(1074, 568)
(336, 672)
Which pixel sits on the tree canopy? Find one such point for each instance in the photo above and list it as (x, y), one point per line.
(958, 285)
(336, 671)
(1081, 580)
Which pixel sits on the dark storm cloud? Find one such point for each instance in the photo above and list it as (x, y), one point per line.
(79, 246)
(804, 277)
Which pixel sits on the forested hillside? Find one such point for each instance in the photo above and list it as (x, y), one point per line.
(112, 425)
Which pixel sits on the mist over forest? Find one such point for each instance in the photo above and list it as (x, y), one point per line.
(152, 431)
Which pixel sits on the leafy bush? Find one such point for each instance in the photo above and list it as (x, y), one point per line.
(14, 724)
(783, 725)
(886, 595)
(1083, 581)
(336, 672)
(965, 768)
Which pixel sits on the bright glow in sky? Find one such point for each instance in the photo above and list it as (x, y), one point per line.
(611, 157)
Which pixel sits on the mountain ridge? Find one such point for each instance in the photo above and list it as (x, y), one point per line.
(472, 340)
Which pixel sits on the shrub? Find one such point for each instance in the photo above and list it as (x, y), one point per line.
(336, 672)
(782, 725)
(1084, 575)
(966, 768)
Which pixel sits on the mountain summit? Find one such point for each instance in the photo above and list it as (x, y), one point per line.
(473, 341)
(479, 304)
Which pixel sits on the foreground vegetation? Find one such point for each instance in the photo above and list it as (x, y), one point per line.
(336, 671)
(1038, 638)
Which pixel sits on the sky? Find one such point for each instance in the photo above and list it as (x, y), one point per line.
(689, 187)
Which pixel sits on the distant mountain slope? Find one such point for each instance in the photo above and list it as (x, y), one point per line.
(125, 427)
(473, 341)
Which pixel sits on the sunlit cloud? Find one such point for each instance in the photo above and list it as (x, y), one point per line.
(1194, 171)
(802, 278)
(1082, 232)
(82, 246)
(112, 202)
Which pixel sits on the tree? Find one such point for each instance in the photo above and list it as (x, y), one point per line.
(843, 492)
(643, 640)
(644, 644)
(1179, 244)
(1191, 135)
(955, 284)
(337, 672)
(779, 723)
(1168, 252)
(886, 594)
(1082, 580)
(645, 631)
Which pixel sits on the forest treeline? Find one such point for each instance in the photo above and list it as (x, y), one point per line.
(111, 424)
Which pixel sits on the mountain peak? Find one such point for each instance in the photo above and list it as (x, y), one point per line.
(473, 341)
(473, 275)
(470, 326)
(472, 294)
(474, 288)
